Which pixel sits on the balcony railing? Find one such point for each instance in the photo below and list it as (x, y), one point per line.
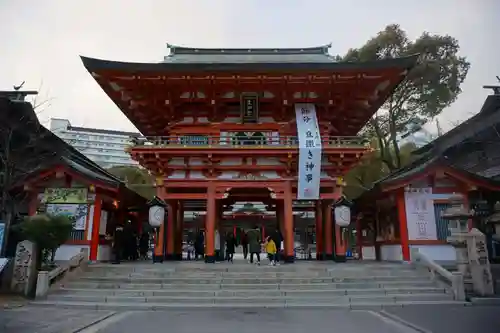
(202, 141)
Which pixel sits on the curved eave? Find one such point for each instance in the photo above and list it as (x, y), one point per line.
(96, 65)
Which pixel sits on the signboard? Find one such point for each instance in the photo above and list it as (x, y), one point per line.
(249, 108)
(309, 169)
(65, 195)
(420, 216)
(77, 213)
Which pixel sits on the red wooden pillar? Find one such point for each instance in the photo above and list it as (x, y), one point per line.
(319, 231)
(33, 204)
(96, 222)
(180, 229)
(210, 225)
(170, 255)
(339, 244)
(403, 225)
(327, 211)
(288, 234)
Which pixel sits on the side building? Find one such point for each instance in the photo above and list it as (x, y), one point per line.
(105, 147)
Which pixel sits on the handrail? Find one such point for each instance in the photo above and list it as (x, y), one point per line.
(453, 279)
(45, 278)
(203, 141)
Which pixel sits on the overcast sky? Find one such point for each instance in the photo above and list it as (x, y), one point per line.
(42, 40)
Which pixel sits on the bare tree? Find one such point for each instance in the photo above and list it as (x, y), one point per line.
(25, 147)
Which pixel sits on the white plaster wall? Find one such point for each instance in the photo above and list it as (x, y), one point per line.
(391, 253)
(177, 174)
(232, 161)
(268, 161)
(196, 175)
(368, 253)
(443, 252)
(104, 253)
(228, 175)
(66, 252)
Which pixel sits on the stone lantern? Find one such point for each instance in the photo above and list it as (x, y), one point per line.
(470, 247)
(457, 216)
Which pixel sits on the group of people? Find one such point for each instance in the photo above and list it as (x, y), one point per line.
(252, 243)
(127, 244)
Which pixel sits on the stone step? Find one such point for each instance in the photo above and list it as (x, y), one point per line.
(250, 293)
(259, 280)
(485, 301)
(125, 306)
(255, 299)
(261, 274)
(212, 286)
(223, 267)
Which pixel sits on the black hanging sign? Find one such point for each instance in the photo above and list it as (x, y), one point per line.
(249, 108)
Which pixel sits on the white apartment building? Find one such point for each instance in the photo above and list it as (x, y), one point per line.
(105, 147)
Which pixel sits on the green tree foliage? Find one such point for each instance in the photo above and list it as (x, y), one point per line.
(372, 168)
(431, 86)
(137, 179)
(48, 232)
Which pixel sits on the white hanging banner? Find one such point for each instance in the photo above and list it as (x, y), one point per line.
(309, 152)
(420, 214)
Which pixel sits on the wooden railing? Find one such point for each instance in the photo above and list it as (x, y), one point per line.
(202, 141)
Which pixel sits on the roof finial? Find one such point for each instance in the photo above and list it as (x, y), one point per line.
(496, 88)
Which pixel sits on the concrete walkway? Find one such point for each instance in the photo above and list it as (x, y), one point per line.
(411, 319)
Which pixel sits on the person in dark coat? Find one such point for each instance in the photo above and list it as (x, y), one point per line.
(199, 248)
(117, 245)
(254, 243)
(144, 245)
(278, 240)
(244, 244)
(230, 247)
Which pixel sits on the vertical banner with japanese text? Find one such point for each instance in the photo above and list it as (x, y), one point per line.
(309, 167)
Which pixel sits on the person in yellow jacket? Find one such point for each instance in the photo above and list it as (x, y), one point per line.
(271, 250)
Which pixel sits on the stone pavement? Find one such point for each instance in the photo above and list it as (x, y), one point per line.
(47, 320)
(410, 319)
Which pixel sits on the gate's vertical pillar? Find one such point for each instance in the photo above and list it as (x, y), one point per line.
(179, 230)
(170, 253)
(403, 225)
(159, 237)
(327, 213)
(210, 225)
(318, 215)
(288, 234)
(96, 221)
(339, 244)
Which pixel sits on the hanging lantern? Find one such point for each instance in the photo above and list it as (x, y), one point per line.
(156, 212)
(342, 212)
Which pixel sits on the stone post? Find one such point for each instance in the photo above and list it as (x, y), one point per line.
(25, 275)
(479, 264)
(457, 216)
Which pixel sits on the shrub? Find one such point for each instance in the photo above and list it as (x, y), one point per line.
(48, 232)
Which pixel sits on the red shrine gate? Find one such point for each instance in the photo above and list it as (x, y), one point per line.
(220, 128)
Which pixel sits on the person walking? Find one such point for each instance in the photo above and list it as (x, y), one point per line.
(270, 247)
(244, 244)
(254, 244)
(199, 247)
(230, 247)
(278, 241)
(117, 245)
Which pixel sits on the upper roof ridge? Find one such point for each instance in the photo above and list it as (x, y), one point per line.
(176, 49)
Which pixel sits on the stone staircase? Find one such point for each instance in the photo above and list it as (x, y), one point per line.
(144, 286)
